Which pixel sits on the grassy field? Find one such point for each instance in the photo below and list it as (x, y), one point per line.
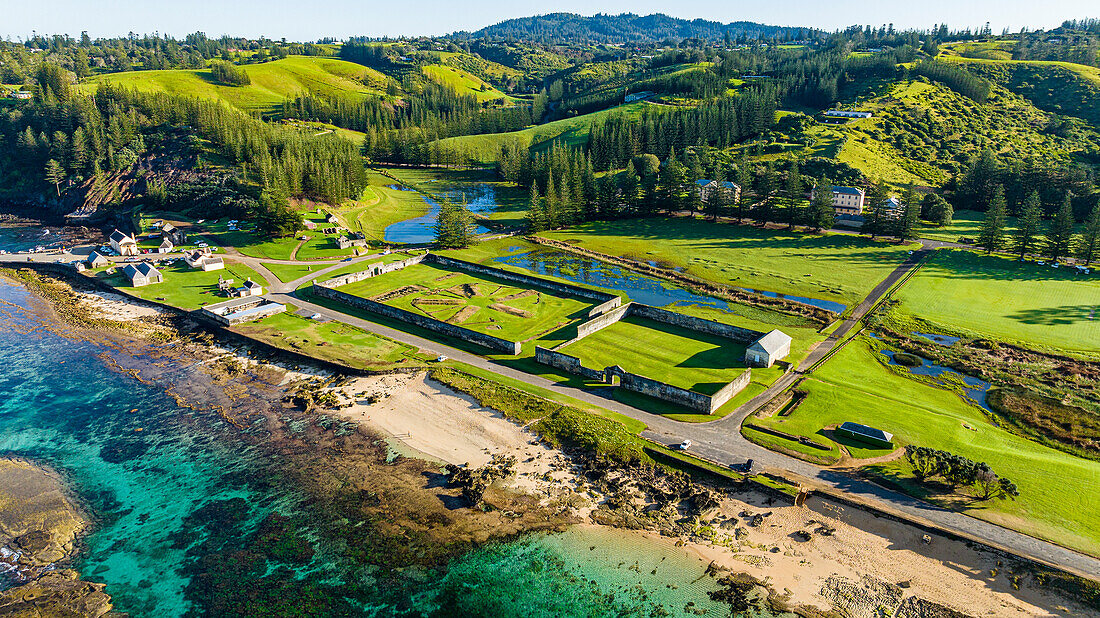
(964, 224)
(184, 287)
(272, 82)
(464, 82)
(289, 272)
(574, 131)
(856, 386)
(331, 341)
(483, 304)
(997, 297)
(677, 356)
(841, 268)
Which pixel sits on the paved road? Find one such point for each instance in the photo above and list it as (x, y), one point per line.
(720, 440)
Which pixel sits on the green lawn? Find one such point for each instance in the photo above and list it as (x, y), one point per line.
(272, 82)
(964, 224)
(184, 287)
(289, 272)
(855, 386)
(835, 267)
(976, 295)
(677, 356)
(489, 310)
(332, 341)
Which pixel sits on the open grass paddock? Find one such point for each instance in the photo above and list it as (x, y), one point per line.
(272, 82)
(971, 294)
(333, 341)
(184, 287)
(1059, 493)
(480, 303)
(836, 267)
(677, 356)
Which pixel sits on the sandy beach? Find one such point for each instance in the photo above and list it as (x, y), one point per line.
(450, 427)
(825, 555)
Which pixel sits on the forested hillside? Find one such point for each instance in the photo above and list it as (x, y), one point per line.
(545, 102)
(629, 28)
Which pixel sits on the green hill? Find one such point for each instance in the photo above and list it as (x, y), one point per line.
(272, 82)
(1057, 87)
(484, 148)
(923, 133)
(464, 82)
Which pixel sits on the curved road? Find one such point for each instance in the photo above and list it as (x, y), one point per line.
(719, 440)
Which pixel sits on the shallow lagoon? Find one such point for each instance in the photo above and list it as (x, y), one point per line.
(153, 473)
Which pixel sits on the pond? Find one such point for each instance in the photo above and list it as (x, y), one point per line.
(944, 340)
(827, 305)
(480, 199)
(581, 269)
(976, 390)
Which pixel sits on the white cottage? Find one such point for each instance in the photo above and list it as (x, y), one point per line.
(765, 351)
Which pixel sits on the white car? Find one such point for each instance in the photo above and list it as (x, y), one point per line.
(315, 316)
(685, 445)
(440, 358)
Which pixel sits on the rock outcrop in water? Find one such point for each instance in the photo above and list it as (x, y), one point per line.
(38, 528)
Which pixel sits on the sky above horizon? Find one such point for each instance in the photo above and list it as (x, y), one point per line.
(304, 21)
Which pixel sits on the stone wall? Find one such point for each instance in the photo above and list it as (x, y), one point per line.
(432, 324)
(603, 321)
(604, 298)
(706, 404)
(602, 308)
(374, 270)
(666, 392)
(735, 333)
(565, 362)
(727, 392)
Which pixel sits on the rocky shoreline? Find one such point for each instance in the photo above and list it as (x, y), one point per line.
(40, 526)
(347, 441)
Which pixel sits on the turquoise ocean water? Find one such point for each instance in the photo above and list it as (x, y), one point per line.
(168, 485)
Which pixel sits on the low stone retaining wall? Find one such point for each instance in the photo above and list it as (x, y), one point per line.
(374, 270)
(443, 328)
(734, 333)
(565, 362)
(706, 404)
(328, 289)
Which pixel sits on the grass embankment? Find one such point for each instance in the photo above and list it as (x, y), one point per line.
(836, 267)
(480, 303)
(557, 423)
(566, 422)
(331, 341)
(1059, 493)
(1039, 307)
(183, 287)
(272, 82)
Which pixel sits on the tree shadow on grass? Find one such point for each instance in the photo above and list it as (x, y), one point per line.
(1058, 316)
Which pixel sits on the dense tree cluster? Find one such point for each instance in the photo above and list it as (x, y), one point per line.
(956, 78)
(84, 56)
(228, 74)
(400, 132)
(959, 472)
(60, 135)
